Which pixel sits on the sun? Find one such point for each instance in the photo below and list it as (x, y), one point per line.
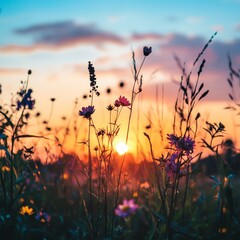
(121, 148)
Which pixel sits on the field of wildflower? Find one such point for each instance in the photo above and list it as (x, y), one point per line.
(100, 194)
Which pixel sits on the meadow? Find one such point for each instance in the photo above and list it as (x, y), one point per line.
(103, 193)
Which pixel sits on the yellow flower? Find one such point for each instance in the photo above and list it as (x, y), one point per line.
(26, 210)
(6, 169)
(145, 185)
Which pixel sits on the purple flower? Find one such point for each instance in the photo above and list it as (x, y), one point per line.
(43, 217)
(127, 208)
(26, 101)
(184, 144)
(86, 112)
(147, 51)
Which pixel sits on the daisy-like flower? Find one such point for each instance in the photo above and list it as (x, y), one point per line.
(122, 101)
(147, 51)
(86, 112)
(26, 210)
(127, 208)
(184, 144)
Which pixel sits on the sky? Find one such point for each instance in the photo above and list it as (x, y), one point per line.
(57, 38)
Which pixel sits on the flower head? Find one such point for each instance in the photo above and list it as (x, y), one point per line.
(86, 112)
(26, 101)
(147, 51)
(26, 210)
(93, 79)
(145, 185)
(184, 144)
(110, 107)
(43, 217)
(122, 101)
(127, 208)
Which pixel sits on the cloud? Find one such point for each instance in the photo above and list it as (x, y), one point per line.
(60, 35)
(146, 36)
(11, 71)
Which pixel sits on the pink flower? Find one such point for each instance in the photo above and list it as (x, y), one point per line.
(122, 101)
(127, 208)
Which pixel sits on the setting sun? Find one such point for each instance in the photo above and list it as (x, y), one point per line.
(121, 148)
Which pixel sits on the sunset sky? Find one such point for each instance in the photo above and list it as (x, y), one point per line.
(57, 38)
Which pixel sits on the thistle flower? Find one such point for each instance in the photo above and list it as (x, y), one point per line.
(127, 208)
(184, 144)
(86, 112)
(147, 51)
(26, 210)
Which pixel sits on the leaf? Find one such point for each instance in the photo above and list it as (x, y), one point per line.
(29, 136)
(230, 95)
(215, 179)
(231, 176)
(8, 119)
(230, 83)
(207, 145)
(204, 95)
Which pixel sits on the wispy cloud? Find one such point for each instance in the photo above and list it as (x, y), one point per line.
(60, 35)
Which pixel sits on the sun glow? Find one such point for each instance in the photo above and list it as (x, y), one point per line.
(121, 148)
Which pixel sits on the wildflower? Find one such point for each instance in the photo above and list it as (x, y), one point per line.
(6, 169)
(135, 194)
(127, 208)
(147, 51)
(26, 100)
(101, 132)
(184, 144)
(122, 101)
(110, 107)
(145, 185)
(117, 103)
(26, 210)
(93, 80)
(86, 112)
(43, 217)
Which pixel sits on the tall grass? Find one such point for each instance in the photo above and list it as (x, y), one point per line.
(105, 198)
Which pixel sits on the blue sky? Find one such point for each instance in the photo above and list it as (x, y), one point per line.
(57, 38)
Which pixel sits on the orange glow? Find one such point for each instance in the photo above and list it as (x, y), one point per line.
(121, 148)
